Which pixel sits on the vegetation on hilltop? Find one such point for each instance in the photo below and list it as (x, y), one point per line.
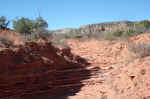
(28, 26)
(35, 29)
(3, 22)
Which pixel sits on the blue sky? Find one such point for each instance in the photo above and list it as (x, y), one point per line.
(74, 13)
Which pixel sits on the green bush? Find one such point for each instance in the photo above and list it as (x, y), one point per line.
(28, 26)
(108, 36)
(146, 23)
(59, 37)
(77, 35)
(117, 33)
(139, 28)
(127, 34)
(3, 22)
(112, 35)
(39, 33)
(5, 41)
(23, 25)
(40, 23)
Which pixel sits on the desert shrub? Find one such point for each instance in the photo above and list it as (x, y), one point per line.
(97, 36)
(127, 34)
(58, 40)
(39, 33)
(60, 43)
(117, 33)
(70, 36)
(139, 28)
(31, 37)
(3, 22)
(76, 35)
(146, 23)
(28, 26)
(58, 37)
(140, 50)
(112, 35)
(108, 36)
(43, 33)
(5, 41)
(23, 25)
(40, 23)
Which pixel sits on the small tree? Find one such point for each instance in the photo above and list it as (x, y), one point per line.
(3, 22)
(23, 25)
(27, 26)
(40, 23)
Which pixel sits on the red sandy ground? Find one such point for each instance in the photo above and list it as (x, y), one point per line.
(122, 76)
(12, 36)
(118, 76)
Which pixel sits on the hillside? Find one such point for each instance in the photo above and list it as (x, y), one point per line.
(86, 69)
(123, 74)
(101, 27)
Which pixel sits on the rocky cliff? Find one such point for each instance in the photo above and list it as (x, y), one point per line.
(97, 28)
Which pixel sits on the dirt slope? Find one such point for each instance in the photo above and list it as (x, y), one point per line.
(40, 71)
(106, 71)
(120, 77)
(101, 53)
(11, 36)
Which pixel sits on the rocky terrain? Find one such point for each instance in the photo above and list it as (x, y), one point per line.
(39, 70)
(89, 69)
(121, 77)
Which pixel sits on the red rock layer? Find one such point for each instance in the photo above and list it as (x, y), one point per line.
(40, 71)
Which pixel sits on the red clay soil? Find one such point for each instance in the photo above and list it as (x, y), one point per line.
(124, 77)
(11, 36)
(40, 71)
(141, 38)
(102, 53)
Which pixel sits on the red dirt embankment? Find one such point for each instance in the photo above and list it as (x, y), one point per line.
(11, 36)
(40, 71)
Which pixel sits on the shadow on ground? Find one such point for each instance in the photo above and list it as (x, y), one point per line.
(41, 72)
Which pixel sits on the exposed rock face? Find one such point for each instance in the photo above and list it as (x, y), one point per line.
(97, 28)
(40, 71)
